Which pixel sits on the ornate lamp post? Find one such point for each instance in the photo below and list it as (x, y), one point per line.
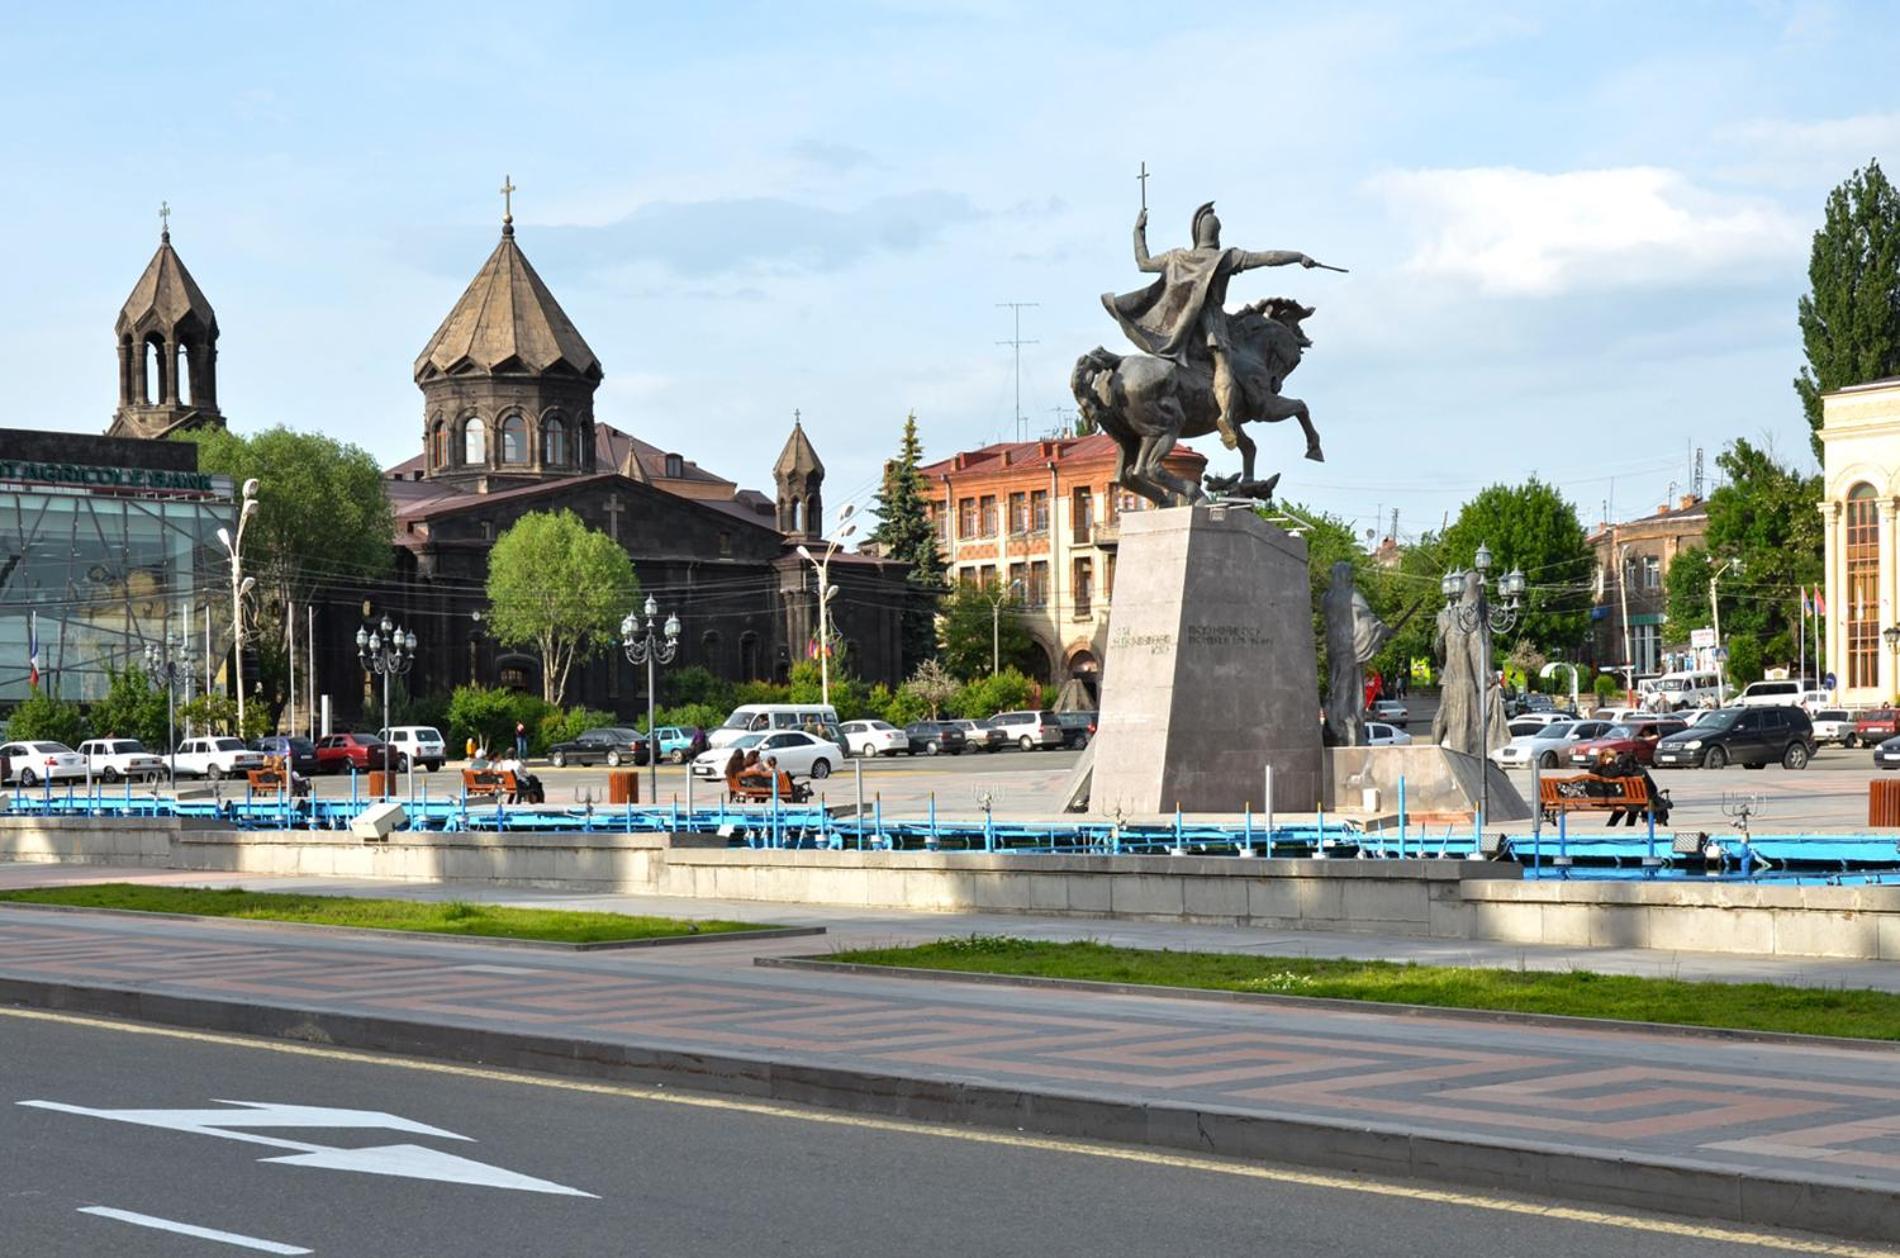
(1891, 636)
(389, 652)
(1000, 595)
(653, 645)
(165, 666)
(240, 586)
(826, 592)
(1484, 619)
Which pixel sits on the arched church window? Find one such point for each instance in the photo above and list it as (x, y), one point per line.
(1862, 613)
(152, 371)
(749, 656)
(475, 441)
(793, 515)
(554, 441)
(514, 440)
(439, 444)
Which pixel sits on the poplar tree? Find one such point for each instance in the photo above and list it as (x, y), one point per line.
(1850, 318)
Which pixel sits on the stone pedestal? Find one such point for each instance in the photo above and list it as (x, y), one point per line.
(1210, 674)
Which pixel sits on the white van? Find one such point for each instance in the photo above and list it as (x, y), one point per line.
(749, 718)
(1673, 692)
(1772, 694)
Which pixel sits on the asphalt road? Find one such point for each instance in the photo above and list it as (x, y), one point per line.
(665, 1174)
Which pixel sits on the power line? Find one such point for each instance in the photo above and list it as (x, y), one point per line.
(1016, 343)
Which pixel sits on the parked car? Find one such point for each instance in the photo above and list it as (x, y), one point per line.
(1379, 734)
(797, 753)
(680, 743)
(1031, 729)
(1549, 746)
(1391, 711)
(1833, 725)
(931, 737)
(753, 718)
(1873, 726)
(611, 745)
(873, 738)
(216, 757)
(1752, 737)
(37, 761)
(421, 745)
(300, 753)
(339, 753)
(1672, 692)
(1769, 694)
(981, 735)
(1077, 728)
(115, 758)
(1887, 755)
(1538, 720)
(1638, 738)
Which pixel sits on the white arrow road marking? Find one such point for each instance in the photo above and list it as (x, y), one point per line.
(409, 1160)
(187, 1229)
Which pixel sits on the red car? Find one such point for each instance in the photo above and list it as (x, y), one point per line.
(1636, 737)
(1876, 725)
(336, 753)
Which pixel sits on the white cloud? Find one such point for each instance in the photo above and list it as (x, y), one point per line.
(1512, 232)
(1787, 152)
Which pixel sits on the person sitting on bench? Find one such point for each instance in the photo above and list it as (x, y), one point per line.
(528, 788)
(1625, 767)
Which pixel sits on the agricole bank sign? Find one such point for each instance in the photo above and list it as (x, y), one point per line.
(85, 476)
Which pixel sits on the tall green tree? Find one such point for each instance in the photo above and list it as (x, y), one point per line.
(1763, 516)
(132, 708)
(1850, 318)
(905, 533)
(1686, 589)
(323, 520)
(561, 588)
(1531, 527)
(970, 615)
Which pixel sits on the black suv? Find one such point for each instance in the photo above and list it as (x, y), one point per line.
(931, 737)
(1077, 728)
(1752, 737)
(609, 746)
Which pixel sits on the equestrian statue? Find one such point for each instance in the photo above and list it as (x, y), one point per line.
(1202, 369)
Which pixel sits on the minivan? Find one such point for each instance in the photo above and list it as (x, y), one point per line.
(1675, 691)
(749, 718)
(1765, 694)
(1031, 729)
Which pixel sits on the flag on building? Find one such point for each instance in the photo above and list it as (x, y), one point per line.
(1807, 608)
(33, 650)
(1820, 604)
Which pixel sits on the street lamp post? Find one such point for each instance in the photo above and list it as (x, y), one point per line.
(1484, 619)
(1715, 623)
(164, 666)
(386, 651)
(1891, 636)
(240, 586)
(997, 599)
(826, 592)
(652, 645)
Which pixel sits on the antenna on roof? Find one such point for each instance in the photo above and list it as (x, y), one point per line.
(1698, 473)
(1016, 342)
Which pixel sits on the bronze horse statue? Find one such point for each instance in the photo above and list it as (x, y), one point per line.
(1147, 403)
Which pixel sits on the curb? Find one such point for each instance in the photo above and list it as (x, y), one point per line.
(426, 936)
(1732, 1194)
(1373, 1008)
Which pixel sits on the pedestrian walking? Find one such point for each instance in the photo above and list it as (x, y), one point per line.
(521, 741)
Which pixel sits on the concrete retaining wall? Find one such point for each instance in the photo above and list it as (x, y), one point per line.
(1439, 899)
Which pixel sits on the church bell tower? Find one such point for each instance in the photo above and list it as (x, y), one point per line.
(168, 350)
(801, 478)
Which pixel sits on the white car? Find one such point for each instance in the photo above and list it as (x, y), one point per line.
(31, 763)
(1379, 734)
(797, 753)
(1391, 711)
(1770, 694)
(1832, 725)
(216, 757)
(872, 738)
(420, 745)
(115, 758)
(1549, 747)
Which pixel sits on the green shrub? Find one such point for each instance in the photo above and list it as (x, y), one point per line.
(704, 715)
(131, 708)
(559, 726)
(217, 714)
(694, 686)
(42, 717)
(903, 707)
(488, 715)
(1003, 692)
(1608, 688)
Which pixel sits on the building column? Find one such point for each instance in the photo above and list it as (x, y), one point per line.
(1832, 589)
(1883, 613)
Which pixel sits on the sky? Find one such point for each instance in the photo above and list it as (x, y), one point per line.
(1576, 233)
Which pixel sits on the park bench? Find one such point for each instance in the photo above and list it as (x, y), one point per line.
(1586, 792)
(269, 778)
(490, 782)
(752, 788)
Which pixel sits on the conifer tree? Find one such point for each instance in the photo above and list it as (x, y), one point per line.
(1850, 320)
(905, 533)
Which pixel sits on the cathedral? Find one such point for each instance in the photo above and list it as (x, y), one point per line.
(508, 427)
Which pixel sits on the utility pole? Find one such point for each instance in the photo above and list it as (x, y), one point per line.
(1715, 623)
(1016, 343)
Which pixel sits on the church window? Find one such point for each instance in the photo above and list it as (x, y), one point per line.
(152, 371)
(554, 442)
(439, 445)
(794, 515)
(675, 467)
(814, 515)
(749, 656)
(725, 543)
(1862, 614)
(186, 377)
(514, 440)
(709, 648)
(475, 442)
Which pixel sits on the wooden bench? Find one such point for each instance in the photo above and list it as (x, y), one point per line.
(755, 788)
(269, 778)
(1586, 792)
(490, 782)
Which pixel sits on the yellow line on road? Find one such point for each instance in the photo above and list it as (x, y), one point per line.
(1013, 1140)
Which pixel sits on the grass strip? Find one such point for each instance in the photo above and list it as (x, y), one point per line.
(447, 917)
(1856, 1013)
